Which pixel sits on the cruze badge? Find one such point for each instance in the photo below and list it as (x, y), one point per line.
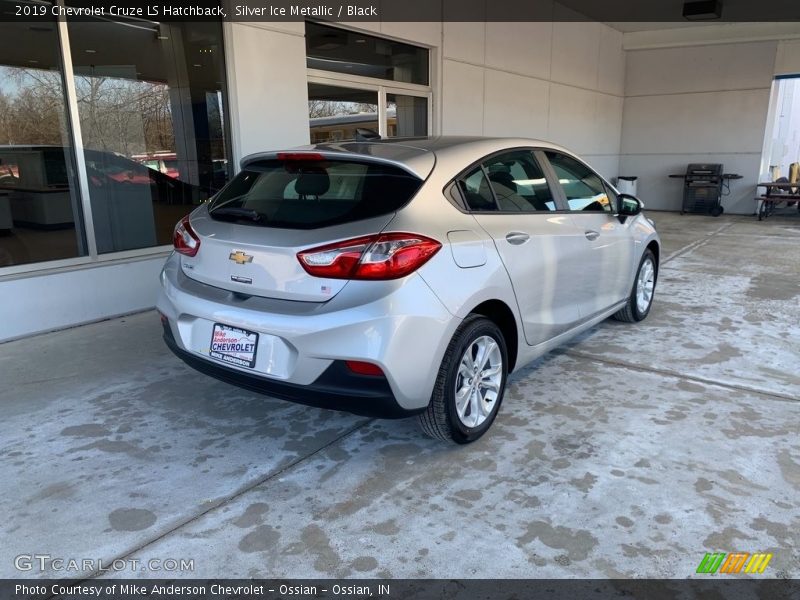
(240, 258)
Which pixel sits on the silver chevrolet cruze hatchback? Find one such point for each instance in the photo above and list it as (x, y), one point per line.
(403, 277)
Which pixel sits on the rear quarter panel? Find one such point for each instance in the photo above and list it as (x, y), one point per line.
(459, 288)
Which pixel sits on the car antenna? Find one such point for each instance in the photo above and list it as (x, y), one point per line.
(366, 135)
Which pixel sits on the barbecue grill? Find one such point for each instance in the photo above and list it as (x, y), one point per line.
(703, 187)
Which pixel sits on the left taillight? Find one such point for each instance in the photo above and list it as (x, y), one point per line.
(375, 257)
(185, 240)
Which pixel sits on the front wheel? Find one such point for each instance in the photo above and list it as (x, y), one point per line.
(470, 383)
(644, 286)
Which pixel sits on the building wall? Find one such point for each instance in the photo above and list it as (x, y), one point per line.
(645, 112)
(267, 109)
(557, 81)
(47, 301)
(699, 103)
(267, 86)
(562, 82)
(783, 146)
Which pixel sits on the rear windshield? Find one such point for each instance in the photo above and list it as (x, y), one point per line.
(307, 194)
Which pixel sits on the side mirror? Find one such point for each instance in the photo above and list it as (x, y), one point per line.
(629, 206)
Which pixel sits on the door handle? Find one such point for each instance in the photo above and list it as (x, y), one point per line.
(517, 238)
(592, 235)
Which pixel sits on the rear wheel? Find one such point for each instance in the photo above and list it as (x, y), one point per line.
(644, 286)
(470, 383)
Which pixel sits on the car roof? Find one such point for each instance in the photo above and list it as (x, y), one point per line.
(444, 142)
(418, 154)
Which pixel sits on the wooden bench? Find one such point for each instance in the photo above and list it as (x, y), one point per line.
(767, 203)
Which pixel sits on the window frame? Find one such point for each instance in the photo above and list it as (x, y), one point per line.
(93, 258)
(377, 36)
(381, 86)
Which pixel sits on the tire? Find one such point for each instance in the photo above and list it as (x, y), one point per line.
(632, 313)
(441, 420)
(717, 210)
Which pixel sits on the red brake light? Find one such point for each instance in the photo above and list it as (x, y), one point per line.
(185, 239)
(364, 368)
(376, 257)
(292, 156)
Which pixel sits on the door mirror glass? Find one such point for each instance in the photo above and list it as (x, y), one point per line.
(629, 206)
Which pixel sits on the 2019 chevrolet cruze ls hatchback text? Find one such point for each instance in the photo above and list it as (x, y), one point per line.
(401, 277)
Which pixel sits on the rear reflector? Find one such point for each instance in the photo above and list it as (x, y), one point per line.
(374, 257)
(185, 240)
(364, 368)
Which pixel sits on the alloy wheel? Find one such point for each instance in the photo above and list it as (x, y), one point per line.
(480, 374)
(645, 284)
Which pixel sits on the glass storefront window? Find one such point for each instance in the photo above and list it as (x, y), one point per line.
(354, 53)
(152, 119)
(40, 215)
(406, 116)
(336, 113)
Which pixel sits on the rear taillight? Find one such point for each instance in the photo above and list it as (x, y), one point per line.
(383, 256)
(185, 239)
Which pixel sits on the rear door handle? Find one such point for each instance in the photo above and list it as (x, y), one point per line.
(592, 235)
(517, 238)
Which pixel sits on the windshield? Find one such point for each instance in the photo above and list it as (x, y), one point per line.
(307, 194)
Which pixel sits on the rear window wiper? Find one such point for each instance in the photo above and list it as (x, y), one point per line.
(232, 212)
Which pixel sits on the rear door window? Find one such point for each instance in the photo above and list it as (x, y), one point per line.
(308, 194)
(519, 183)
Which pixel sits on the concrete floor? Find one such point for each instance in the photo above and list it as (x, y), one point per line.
(630, 453)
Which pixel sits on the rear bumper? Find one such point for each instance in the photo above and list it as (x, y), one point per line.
(335, 389)
(399, 326)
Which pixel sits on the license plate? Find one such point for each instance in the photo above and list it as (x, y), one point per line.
(233, 345)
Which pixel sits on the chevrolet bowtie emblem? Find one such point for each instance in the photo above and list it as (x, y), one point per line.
(240, 257)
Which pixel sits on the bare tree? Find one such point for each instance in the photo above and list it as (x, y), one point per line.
(331, 108)
(117, 115)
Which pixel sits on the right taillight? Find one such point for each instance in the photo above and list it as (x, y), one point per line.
(376, 257)
(185, 240)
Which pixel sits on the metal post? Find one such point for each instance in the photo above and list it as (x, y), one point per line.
(73, 118)
(383, 128)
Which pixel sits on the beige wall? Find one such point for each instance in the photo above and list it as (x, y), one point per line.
(267, 85)
(562, 82)
(699, 103)
(692, 95)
